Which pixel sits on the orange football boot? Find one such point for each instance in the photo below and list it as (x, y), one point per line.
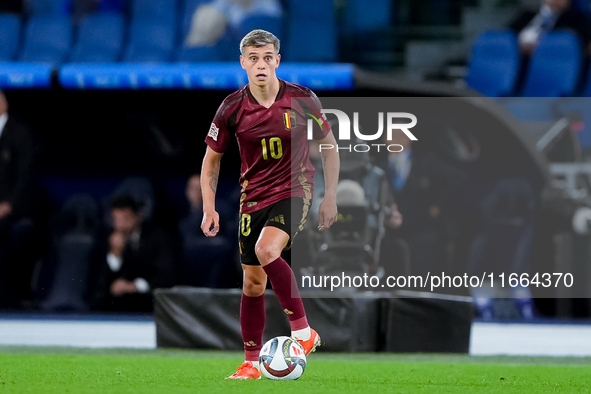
(311, 344)
(246, 371)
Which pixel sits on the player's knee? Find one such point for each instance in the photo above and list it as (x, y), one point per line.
(253, 288)
(267, 253)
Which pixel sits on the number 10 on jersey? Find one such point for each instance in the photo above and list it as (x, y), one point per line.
(275, 148)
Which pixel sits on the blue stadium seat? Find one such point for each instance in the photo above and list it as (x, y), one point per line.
(555, 66)
(214, 53)
(115, 6)
(150, 40)
(494, 64)
(166, 10)
(100, 39)
(47, 7)
(269, 23)
(359, 18)
(10, 26)
(187, 9)
(311, 32)
(47, 39)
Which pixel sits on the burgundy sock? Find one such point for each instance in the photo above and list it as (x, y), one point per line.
(252, 323)
(286, 289)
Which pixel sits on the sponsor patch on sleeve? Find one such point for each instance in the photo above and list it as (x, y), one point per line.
(213, 132)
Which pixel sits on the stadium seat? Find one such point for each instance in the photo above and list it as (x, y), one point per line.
(166, 10)
(494, 64)
(269, 23)
(187, 9)
(100, 39)
(10, 25)
(312, 32)
(47, 39)
(360, 19)
(115, 6)
(150, 40)
(555, 67)
(47, 7)
(213, 53)
(75, 238)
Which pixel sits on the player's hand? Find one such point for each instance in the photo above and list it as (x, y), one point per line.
(395, 220)
(5, 209)
(122, 286)
(210, 225)
(327, 213)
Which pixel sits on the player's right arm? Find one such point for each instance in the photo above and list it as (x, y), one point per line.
(210, 171)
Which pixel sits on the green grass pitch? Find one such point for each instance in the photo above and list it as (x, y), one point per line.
(66, 370)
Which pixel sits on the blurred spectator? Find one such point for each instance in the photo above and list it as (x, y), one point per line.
(139, 260)
(503, 242)
(552, 15)
(420, 228)
(190, 225)
(207, 262)
(212, 20)
(16, 205)
(15, 6)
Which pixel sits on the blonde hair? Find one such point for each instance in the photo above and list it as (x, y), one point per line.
(259, 38)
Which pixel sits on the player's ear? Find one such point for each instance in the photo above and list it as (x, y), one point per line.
(242, 62)
(278, 57)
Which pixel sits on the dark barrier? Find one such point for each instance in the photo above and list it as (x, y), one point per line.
(428, 325)
(208, 319)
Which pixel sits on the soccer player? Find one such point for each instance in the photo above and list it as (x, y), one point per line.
(276, 179)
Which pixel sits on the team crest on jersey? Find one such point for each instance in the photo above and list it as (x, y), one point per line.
(289, 119)
(213, 132)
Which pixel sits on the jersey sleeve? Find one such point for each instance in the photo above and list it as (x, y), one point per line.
(321, 126)
(218, 136)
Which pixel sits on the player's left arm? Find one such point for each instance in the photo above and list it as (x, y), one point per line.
(327, 213)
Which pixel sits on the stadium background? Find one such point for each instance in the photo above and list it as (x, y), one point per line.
(93, 132)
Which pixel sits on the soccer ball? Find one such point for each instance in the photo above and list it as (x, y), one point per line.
(282, 358)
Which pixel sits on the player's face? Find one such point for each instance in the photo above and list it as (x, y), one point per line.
(260, 64)
(125, 220)
(557, 5)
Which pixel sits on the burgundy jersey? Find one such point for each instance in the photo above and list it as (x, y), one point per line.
(273, 143)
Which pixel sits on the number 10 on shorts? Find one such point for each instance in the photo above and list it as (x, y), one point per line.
(245, 224)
